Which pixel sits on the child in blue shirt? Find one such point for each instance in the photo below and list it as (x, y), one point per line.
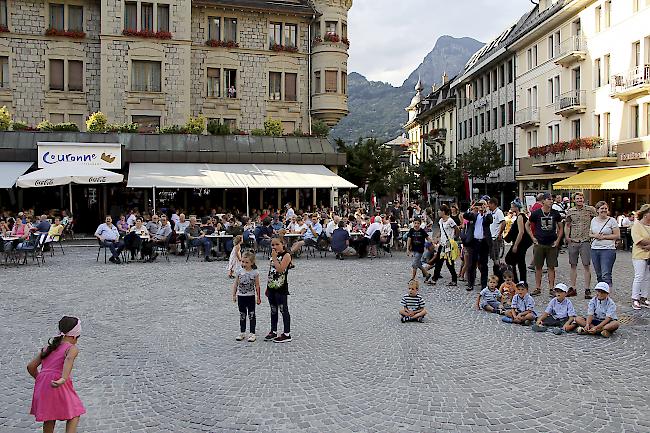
(490, 297)
(601, 314)
(412, 304)
(559, 314)
(523, 307)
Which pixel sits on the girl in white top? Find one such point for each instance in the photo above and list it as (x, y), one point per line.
(234, 263)
(604, 233)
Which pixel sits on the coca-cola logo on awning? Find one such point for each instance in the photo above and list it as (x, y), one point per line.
(99, 179)
(44, 182)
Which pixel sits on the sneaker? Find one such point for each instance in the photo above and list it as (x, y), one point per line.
(572, 292)
(240, 337)
(645, 303)
(527, 323)
(283, 338)
(117, 261)
(251, 338)
(469, 288)
(500, 311)
(636, 304)
(581, 330)
(558, 331)
(452, 284)
(539, 328)
(605, 333)
(404, 319)
(270, 336)
(588, 294)
(506, 319)
(536, 292)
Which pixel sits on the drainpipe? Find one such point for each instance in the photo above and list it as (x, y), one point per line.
(313, 19)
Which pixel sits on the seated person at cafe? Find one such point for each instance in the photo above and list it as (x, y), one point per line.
(109, 237)
(43, 225)
(122, 225)
(207, 226)
(277, 224)
(158, 238)
(180, 227)
(134, 238)
(264, 233)
(56, 230)
(152, 226)
(332, 225)
(310, 235)
(340, 242)
(19, 231)
(196, 237)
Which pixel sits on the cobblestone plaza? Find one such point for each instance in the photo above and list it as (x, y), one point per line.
(158, 354)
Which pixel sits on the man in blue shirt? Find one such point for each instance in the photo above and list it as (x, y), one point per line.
(43, 225)
(478, 240)
(109, 237)
(340, 242)
(310, 238)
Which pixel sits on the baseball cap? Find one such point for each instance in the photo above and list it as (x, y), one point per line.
(602, 286)
(561, 286)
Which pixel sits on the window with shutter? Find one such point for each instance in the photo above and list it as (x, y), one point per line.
(330, 82)
(317, 83)
(76, 18)
(344, 82)
(3, 13)
(163, 18)
(146, 15)
(131, 16)
(4, 70)
(290, 91)
(214, 82)
(57, 118)
(275, 34)
(145, 76)
(75, 75)
(56, 16)
(214, 28)
(56, 74)
(275, 86)
(290, 35)
(230, 29)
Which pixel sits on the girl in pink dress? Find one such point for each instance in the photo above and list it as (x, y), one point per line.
(55, 398)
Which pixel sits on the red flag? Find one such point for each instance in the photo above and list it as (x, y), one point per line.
(468, 192)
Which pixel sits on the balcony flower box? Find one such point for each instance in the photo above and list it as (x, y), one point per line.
(74, 34)
(332, 37)
(346, 41)
(223, 44)
(4, 29)
(287, 48)
(147, 34)
(317, 40)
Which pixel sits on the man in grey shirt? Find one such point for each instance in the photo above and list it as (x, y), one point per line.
(159, 238)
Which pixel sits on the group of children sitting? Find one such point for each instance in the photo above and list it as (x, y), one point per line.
(514, 303)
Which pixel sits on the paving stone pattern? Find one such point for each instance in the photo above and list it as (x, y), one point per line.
(158, 354)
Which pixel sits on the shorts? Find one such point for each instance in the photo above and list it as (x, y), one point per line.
(582, 249)
(546, 253)
(553, 322)
(417, 261)
(495, 249)
(494, 304)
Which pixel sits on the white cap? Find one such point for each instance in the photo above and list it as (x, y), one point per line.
(562, 286)
(602, 286)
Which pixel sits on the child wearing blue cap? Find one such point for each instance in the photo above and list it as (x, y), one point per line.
(559, 314)
(601, 314)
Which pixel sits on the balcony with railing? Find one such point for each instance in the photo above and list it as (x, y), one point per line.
(579, 151)
(572, 102)
(571, 51)
(527, 117)
(634, 82)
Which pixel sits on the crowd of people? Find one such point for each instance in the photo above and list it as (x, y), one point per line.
(23, 230)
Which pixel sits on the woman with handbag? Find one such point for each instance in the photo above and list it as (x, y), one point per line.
(448, 248)
(604, 233)
(641, 258)
(521, 242)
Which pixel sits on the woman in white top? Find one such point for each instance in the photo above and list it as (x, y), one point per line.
(448, 231)
(604, 233)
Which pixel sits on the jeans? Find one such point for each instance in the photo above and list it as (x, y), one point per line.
(278, 301)
(116, 247)
(246, 306)
(207, 245)
(479, 252)
(603, 261)
(641, 284)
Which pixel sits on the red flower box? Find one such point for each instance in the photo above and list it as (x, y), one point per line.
(147, 34)
(317, 40)
(75, 34)
(4, 29)
(224, 44)
(332, 37)
(287, 48)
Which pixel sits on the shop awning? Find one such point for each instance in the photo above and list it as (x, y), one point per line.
(604, 179)
(64, 174)
(10, 171)
(149, 175)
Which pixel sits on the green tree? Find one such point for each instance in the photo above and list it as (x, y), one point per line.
(400, 177)
(320, 128)
(369, 163)
(480, 161)
(434, 170)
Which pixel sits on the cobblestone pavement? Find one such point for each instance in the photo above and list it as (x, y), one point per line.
(158, 354)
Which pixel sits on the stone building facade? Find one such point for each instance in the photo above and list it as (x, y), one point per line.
(159, 62)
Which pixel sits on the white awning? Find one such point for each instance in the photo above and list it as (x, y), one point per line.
(9, 172)
(179, 175)
(62, 174)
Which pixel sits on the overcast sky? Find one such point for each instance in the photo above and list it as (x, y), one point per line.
(389, 38)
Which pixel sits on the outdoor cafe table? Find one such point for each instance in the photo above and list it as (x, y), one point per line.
(218, 240)
(291, 238)
(8, 239)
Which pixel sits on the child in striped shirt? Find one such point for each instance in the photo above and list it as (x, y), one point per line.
(489, 299)
(412, 304)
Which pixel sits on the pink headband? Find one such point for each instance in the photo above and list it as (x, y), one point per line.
(74, 332)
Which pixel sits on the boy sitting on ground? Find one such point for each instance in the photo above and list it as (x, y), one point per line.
(559, 314)
(508, 288)
(489, 299)
(523, 307)
(412, 304)
(601, 314)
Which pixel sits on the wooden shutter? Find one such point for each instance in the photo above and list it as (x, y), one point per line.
(75, 75)
(330, 81)
(290, 93)
(56, 74)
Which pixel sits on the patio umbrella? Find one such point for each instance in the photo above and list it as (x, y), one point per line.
(67, 175)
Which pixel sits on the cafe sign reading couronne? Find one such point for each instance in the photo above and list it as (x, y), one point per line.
(102, 155)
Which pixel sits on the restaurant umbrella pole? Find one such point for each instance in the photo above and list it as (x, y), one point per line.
(247, 208)
(153, 200)
(70, 196)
